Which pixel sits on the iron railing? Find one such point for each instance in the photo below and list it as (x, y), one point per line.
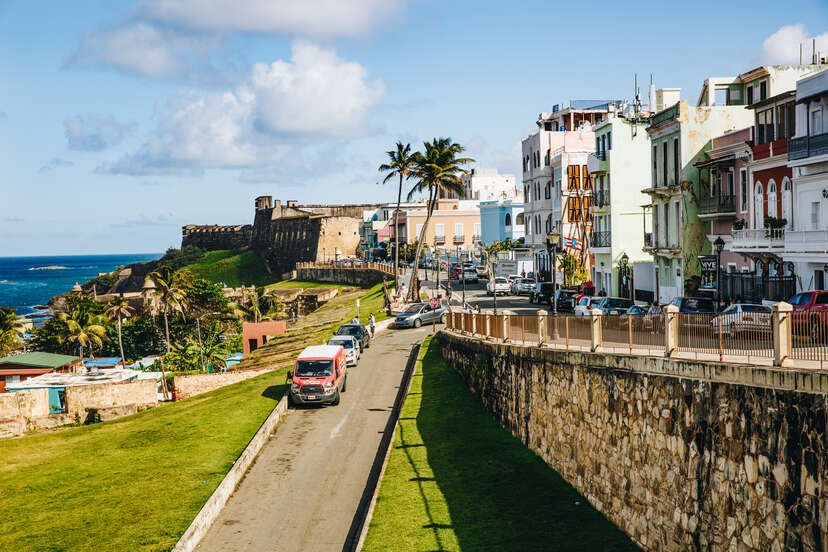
(601, 239)
(808, 146)
(755, 288)
(459, 238)
(717, 205)
(601, 197)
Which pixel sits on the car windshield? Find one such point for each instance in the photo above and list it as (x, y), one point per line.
(756, 308)
(501, 281)
(692, 304)
(595, 302)
(583, 301)
(413, 309)
(349, 330)
(801, 299)
(347, 343)
(313, 368)
(731, 309)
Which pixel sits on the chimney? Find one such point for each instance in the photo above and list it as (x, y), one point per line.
(652, 107)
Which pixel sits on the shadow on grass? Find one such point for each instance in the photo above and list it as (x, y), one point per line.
(275, 392)
(499, 494)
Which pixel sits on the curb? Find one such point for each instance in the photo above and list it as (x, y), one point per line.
(211, 509)
(365, 510)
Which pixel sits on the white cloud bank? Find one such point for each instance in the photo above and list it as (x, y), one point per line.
(95, 132)
(255, 125)
(782, 47)
(320, 18)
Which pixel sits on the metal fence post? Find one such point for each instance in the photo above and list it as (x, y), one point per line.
(541, 327)
(473, 324)
(488, 325)
(505, 328)
(782, 335)
(597, 335)
(671, 333)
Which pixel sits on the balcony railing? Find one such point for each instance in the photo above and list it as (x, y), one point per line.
(665, 115)
(476, 238)
(649, 241)
(756, 287)
(761, 238)
(601, 239)
(717, 205)
(806, 241)
(439, 239)
(459, 238)
(808, 146)
(601, 155)
(602, 198)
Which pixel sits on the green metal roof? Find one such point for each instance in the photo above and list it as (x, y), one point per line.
(38, 360)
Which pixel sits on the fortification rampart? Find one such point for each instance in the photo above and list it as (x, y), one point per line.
(680, 455)
(213, 237)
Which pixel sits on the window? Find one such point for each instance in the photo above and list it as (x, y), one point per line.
(598, 145)
(786, 202)
(656, 241)
(677, 209)
(12, 379)
(750, 95)
(772, 199)
(763, 90)
(458, 229)
(744, 187)
(519, 219)
(819, 283)
(548, 157)
(477, 229)
(574, 209)
(609, 141)
(547, 192)
(676, 164)
(549, 224)
(440, 230)
(785, 121)
(508, 221)
(720, 96)
(758, 207)
(419, 231)
(764, 126)
(667, 224)
(730, 189)
(655, 166)
(664, 164)
(816, 122)
(815, 215)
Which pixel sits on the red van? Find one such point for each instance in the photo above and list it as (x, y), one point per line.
(318, 375)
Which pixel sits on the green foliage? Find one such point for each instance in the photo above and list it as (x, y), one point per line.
(233, 268)
(574, 273)
(11, 331)
(141, 336)
(739, 224)
(179, 258)
(773, 223)
(205, 296)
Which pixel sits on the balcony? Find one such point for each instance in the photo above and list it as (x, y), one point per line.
(758, 240)
(649, 241)
(806, 241)
(600, 239)
(439, 240)
(601, 198)
(459, 238)
(476, 238)
(808, 146)
(719, 206)
(665, 115)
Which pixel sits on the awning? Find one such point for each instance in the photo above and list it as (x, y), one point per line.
(724, 160)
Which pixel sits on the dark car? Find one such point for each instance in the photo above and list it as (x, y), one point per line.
(358, 331)
(615, 305)
(566, 300)
(542, 294)
(693, 305)
(633, 315)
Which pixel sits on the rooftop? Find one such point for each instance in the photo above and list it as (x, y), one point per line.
(39, 360)
(57, 379)
(319, 351)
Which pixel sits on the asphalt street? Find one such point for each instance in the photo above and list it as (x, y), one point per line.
(304, 488)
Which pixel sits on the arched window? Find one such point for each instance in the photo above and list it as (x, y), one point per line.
(772, 212)
(508, 219)
(549, 224)
(519, 219)
(758, 207)
(787, 214)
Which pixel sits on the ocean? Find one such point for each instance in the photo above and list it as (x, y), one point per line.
(23, 287)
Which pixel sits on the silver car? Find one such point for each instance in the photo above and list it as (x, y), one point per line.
(523, 286)
(421, 313)
(351, 345)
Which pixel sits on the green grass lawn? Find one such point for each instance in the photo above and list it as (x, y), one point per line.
(300, 284)
(134, 483)
(234, 268)
(456, 480)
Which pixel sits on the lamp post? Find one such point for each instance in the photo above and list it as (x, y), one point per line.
(552, 246)
(624, 260)
(718, 245)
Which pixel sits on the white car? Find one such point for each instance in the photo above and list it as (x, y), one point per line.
(351, 346)
(470, 275)
(499, 286)
(743, 317)
(586, 304)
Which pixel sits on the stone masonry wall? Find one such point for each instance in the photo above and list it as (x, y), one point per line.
(680, 455)
(353, 276)
(213, 238)
(111, 399)
(187, 386)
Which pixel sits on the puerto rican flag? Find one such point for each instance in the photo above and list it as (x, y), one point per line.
(572, 243)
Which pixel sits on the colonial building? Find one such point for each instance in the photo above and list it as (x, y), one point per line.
(489, 185)
(454, 224)
(806, 240)
(500, 220)
(622, 154)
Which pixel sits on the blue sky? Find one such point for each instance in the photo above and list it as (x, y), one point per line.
(121, 121)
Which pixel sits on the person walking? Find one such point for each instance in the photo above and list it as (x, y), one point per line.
(371, 321)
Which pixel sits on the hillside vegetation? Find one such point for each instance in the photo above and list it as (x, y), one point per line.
(232, 267)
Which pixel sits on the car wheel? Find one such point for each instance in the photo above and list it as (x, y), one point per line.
(344, 383)
(443, 318)
(290, 400)
(336, 399)
(418, 323)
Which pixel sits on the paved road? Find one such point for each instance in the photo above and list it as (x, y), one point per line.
(304, 488)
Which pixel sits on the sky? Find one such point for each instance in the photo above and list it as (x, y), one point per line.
(121, 121)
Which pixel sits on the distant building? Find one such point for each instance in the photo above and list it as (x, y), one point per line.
(19, 368)
(487, 185)
(500, 220)
(454, 224)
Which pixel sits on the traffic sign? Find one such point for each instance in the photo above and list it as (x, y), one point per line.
(435, 302)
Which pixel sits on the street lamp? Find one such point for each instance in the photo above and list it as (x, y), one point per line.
(624, 260)
(552, 245)
(718, 245)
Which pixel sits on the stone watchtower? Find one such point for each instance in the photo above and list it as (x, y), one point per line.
(264, 202)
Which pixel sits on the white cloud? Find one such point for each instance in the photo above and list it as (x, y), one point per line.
(94, 132)
(315, 94)
(56, 163)
(321, 18)
(782, 47)
(142, 48)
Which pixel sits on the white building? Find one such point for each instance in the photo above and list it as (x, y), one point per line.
(489, 185)
(806, 243)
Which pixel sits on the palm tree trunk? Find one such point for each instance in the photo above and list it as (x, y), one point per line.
(397, 239)
(167, 330)
(413, 294)
(121, 343)
(164, 389)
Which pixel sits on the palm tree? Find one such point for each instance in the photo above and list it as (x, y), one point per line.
(263, 305)
(437, 169)
(84, 328)
(168, 298)
(402, 164)
(212, 352)
(117, 309)
(11, 328)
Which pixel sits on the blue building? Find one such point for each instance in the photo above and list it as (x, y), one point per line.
(500, 220)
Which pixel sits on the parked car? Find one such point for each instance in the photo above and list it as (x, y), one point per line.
(470, 275)
(359, 331)
(512, 278)
(810, 313)
(498, 286)
(586, 304)
(482, 271)
(743, 317)
(421, 313)
(455, 271)
(633, 315)
(566, 300)
(319, 375)
(691, 311)
(523, 286)
(653, 318)
(542, 293)
(614, 305)
(351, 346)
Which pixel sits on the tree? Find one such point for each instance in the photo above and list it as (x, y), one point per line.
(83, 327)
(437, 169)
(11, 330)
(259, 304)
(168, 298)
(213, 352)
(118, 309)
(402, 164)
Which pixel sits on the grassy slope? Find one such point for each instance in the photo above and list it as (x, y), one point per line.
(130, 484)
(234, 268)
(456, 480)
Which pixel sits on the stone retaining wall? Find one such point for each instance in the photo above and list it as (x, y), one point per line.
(188, 386)
(111, 400)
(354, 276)
(680, 455)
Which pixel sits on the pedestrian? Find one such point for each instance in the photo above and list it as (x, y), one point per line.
(354, 320)
(371, 322)
(477, 308)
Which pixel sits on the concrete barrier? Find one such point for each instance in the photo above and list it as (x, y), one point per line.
(210, 511)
